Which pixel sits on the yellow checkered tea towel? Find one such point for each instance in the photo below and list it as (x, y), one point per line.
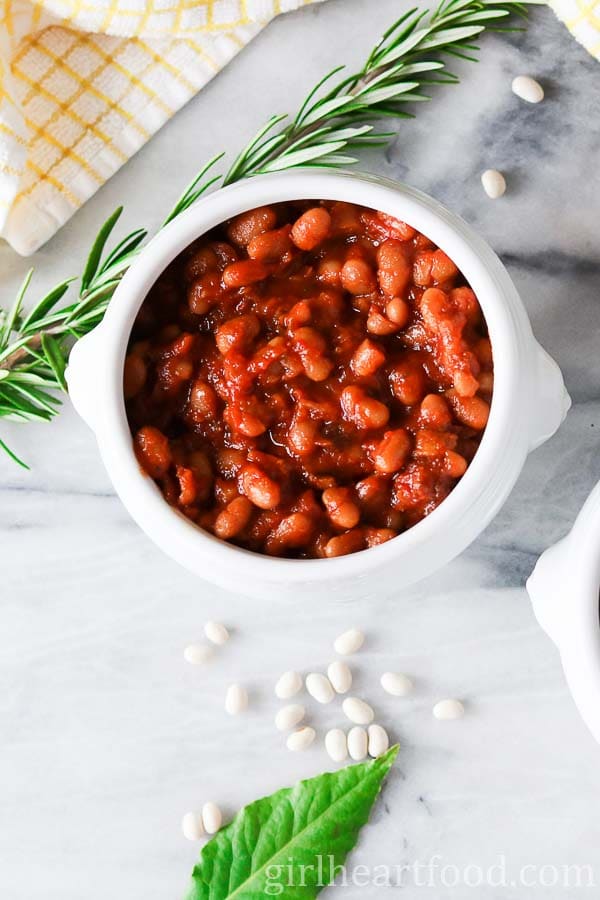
(85, 83)
(582, 18)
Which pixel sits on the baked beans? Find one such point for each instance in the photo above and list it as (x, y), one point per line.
(309, 379)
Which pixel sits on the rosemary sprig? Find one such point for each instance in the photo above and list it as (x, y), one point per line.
(335, 118)
(34, 348)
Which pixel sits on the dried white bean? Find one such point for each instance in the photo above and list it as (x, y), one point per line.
(379, 741)
(494, 183)
(336, 745)
(396, 684)
(340, 676)
(528, 89)
(212, 817)
(288, 685)
(289, 716)
(319, 687)
(301, 739)
(216, 633)
(192, 826)
(349, 642)
(358, 711)
(198, 654)
(445, 710)
(357, 743)
(236, 699)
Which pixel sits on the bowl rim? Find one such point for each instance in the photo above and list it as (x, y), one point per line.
(505, 435)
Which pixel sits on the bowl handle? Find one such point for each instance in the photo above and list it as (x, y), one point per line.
(550, 400)
(83, 373)
(547, 593)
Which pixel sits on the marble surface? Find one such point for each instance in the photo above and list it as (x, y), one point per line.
(107, 737)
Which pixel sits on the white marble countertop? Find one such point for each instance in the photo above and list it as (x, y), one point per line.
(107, 737)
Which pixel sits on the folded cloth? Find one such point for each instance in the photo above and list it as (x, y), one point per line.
(582, 18)
(85, 83)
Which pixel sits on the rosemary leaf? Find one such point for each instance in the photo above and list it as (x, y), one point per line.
(12, 455)
(56, 359)
(93, 260)
(10, 320)
(41, 309)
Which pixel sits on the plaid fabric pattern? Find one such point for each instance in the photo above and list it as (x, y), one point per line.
(85, 83)
(582, 18)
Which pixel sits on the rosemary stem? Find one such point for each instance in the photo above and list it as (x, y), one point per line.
(20, 355)
(296, 134)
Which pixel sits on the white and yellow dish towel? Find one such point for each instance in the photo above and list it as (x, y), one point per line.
(582, 18)
(85, 83)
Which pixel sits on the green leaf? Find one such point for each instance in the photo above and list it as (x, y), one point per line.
(125, 248)
(41, 309)
(300, 116)
(410, 23)
(406, 45)
(300, 157)
(16, 402)
(483, 16)
(396, 25)
(277, 842)
(12, 317)
(451, 35)
(193, 191)
(253, 159)
(380, 95)
(11, 348)
(45, 404)
(93, 261)
(11, 415)
(241, 163)
(37, 378)
(56, 359)
(13, 455)
(321, 110)
(454, 6)
(333, 161)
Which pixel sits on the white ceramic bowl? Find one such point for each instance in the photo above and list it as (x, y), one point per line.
(564, 589)
(529, 401)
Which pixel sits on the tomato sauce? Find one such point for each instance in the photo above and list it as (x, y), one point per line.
(309, 379)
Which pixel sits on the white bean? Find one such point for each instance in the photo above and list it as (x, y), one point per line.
(494, 183)
(289, 716)
(216, 633)
(396, 684)
(445, 710)
(236, 699)
(301, 739)
(319, 687)
(340, 676)
(198, 654)
(192, 826)
(528, 89)
(358, 711)
(379, 741)
(288, 685)
(212, 817)
(349, 642)
(357, 743)
(336, 745)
